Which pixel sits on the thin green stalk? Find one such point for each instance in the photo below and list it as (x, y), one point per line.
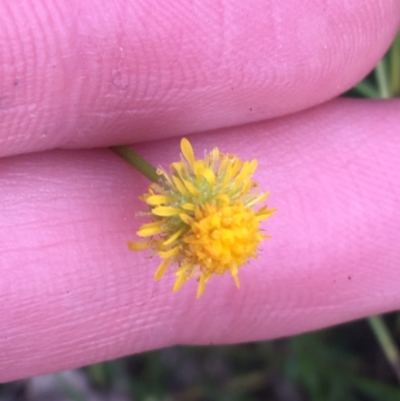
(386, 342)
(137, 162)
(395, 66)
(382, 79)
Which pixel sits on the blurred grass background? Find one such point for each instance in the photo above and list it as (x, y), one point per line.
(351, 362)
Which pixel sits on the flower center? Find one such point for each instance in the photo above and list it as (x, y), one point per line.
(222, 238)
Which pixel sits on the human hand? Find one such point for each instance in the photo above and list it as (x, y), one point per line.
(92, 74)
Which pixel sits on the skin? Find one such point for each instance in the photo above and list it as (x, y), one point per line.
(253, 78)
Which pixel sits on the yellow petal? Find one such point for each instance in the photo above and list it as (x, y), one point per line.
(232, 169)
(187, 151)
(173, 237)
(234, 272)
(264, 213)
(178, 167)
(209, 176)
(186, 218)
(258, 199)
(202, 286)
(149, 229)
(179, 185)
(161, 269)
(215, 154)
(181, 278)
(185, 268)
(165, 211)
(188, 206)
(158, 199)
(245, 173)
(170, 253)
(191, 188)
(138, 246)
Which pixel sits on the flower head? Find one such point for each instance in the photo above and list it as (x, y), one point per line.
(203, 221)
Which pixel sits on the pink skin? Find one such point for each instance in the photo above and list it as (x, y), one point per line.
(92, 74)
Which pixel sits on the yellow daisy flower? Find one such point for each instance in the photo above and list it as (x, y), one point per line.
(203, 221)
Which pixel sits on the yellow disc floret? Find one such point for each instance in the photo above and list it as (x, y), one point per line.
(203, 221)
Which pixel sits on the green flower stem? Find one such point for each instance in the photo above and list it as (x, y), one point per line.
(386, 342)
(395, 66)
(136, 162)
(382, 79)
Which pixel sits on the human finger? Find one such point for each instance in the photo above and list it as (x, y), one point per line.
(79, 74)
(71, 293)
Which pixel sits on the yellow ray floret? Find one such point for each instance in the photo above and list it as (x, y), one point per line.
(203, 221)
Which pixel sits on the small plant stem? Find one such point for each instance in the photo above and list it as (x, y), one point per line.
(382, 79)
(137, 162)
(395, 66)
(386, 342)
